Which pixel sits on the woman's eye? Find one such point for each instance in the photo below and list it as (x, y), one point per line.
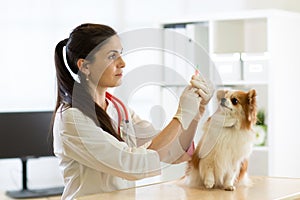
(112, 56)
(234, 101)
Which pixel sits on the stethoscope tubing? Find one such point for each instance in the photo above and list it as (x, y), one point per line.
(114, 101)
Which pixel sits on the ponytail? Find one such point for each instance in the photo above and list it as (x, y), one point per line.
(65, 81)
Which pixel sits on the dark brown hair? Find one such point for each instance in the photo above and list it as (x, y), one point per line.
(82, 43)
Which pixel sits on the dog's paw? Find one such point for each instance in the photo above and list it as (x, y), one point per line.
(209, 184)
(229, 188)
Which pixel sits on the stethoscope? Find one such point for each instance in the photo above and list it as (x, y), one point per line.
(115, 101)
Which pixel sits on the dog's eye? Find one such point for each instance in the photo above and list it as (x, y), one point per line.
(234, 101)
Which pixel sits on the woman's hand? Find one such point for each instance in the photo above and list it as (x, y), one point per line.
(204, 89)
(188, 107)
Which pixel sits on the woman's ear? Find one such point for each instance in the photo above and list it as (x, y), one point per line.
(83, 66)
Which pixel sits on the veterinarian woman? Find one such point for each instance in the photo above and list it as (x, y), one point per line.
(97, 153)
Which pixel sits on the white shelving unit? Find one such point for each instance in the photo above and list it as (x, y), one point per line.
(276, 78)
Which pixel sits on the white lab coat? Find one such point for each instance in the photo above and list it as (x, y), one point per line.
(92, 161)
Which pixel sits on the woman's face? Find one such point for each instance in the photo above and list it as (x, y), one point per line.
(106, 70)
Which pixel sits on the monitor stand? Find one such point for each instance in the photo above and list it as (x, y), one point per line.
(29, 193)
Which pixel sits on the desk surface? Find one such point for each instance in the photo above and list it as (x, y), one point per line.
(265, 188)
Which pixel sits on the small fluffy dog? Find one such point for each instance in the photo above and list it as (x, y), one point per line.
(221, 157)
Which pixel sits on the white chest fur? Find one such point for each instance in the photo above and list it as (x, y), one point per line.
(232, 146)
(221, 166)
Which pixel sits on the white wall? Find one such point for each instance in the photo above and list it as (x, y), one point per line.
(30, 30)
(145, 13)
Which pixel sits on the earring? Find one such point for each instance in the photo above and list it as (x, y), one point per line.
(87, 78)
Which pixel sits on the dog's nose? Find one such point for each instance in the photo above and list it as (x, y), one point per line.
(223, 100)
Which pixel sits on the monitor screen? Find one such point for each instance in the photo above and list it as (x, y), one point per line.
(25, 134)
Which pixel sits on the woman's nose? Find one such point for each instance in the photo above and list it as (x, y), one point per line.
(121, 62)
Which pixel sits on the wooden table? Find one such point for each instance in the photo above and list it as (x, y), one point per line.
(264, 188)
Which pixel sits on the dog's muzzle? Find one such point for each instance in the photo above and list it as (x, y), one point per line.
(223, 103)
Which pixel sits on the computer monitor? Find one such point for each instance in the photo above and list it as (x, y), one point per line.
(26, 135)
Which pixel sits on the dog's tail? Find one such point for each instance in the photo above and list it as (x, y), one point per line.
(243, 178)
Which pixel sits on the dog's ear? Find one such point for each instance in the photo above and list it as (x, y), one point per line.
(252, 105)
(252, 96)
(221, 94)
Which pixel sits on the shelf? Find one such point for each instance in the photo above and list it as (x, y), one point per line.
(260, 148)
(226, 84)
(174, 85)
(240, 35)
(267, 44)
(242, 83)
